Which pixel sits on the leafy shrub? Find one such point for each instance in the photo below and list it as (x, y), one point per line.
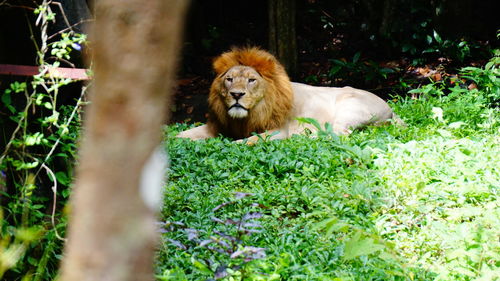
(487, 78)
(222, 252)
(347, 72)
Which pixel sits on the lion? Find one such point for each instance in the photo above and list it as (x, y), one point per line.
(252, 94)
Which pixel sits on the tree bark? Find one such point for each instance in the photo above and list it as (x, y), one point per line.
(282, 35)
(387, 18)
(111, 230)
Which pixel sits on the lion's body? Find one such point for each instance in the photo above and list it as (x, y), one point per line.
(253, 94)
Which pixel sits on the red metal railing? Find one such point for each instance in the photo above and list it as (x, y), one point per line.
(61, 72)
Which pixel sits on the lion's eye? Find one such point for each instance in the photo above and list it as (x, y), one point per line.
(251, 80)
(229, 79)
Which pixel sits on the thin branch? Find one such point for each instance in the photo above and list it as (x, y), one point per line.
(4, 3)
(61, 60)
(54, 203)
(19, 125)
(32, 35)
(69, 28)
(73, 113)
(63, 15)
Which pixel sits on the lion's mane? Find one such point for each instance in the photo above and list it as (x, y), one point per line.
(270, 113)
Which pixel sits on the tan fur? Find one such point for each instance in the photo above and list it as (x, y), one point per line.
(268, 102)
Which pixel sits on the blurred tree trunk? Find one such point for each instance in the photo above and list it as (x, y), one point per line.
(111, 230)
(282, 36)
(387, 18)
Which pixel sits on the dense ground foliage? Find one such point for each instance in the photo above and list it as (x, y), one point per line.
(386, 203)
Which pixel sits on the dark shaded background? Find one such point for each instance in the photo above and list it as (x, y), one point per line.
(383, 32)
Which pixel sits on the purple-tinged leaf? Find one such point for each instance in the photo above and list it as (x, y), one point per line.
(223, 244)
(259, 255)
(221, 272)
(191, 233)
(227, 236)
(250, 252)
(251, 224)
(252, 249)
(178, 223)
(162, 230)
(222, 205)
(206, 242)
(218, 250)
(239, 195)
(231, 221)
(217, 220)
(250, 230)
(177, 244)
(250, 216)
(237, 254)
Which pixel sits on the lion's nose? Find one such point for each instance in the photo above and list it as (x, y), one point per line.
(237, 95)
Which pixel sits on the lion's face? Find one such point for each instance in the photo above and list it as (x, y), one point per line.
(251, 93)
(241, 90)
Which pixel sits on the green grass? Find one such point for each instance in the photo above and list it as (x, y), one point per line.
(385, 203)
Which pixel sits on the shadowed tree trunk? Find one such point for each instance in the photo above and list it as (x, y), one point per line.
(111, 230)
(282, 36)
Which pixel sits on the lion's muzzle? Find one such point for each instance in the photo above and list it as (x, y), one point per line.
(237, 111)
(237, 95)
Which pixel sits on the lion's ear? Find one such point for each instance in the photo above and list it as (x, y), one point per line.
(224, 62)
(263, 62)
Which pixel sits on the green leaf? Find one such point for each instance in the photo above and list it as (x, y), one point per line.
(430, 50)
(310, 121)
(406, 47)
(456, 125)
(437, 37)
(360, 246)
(37, 206)
(201, 266)
(63, 178)
(48, 105)
(334, 70)
(331, 225)
(429, 39)
(386, 70)
(356, 57)
(34, 139)
(420, 185)
(6, 98)
(489, 65)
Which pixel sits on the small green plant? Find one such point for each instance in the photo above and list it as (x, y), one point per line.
(455, 49)
(350, 71)
(487, 78)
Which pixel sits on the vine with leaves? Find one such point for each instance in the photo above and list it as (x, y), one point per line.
(38, 154)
